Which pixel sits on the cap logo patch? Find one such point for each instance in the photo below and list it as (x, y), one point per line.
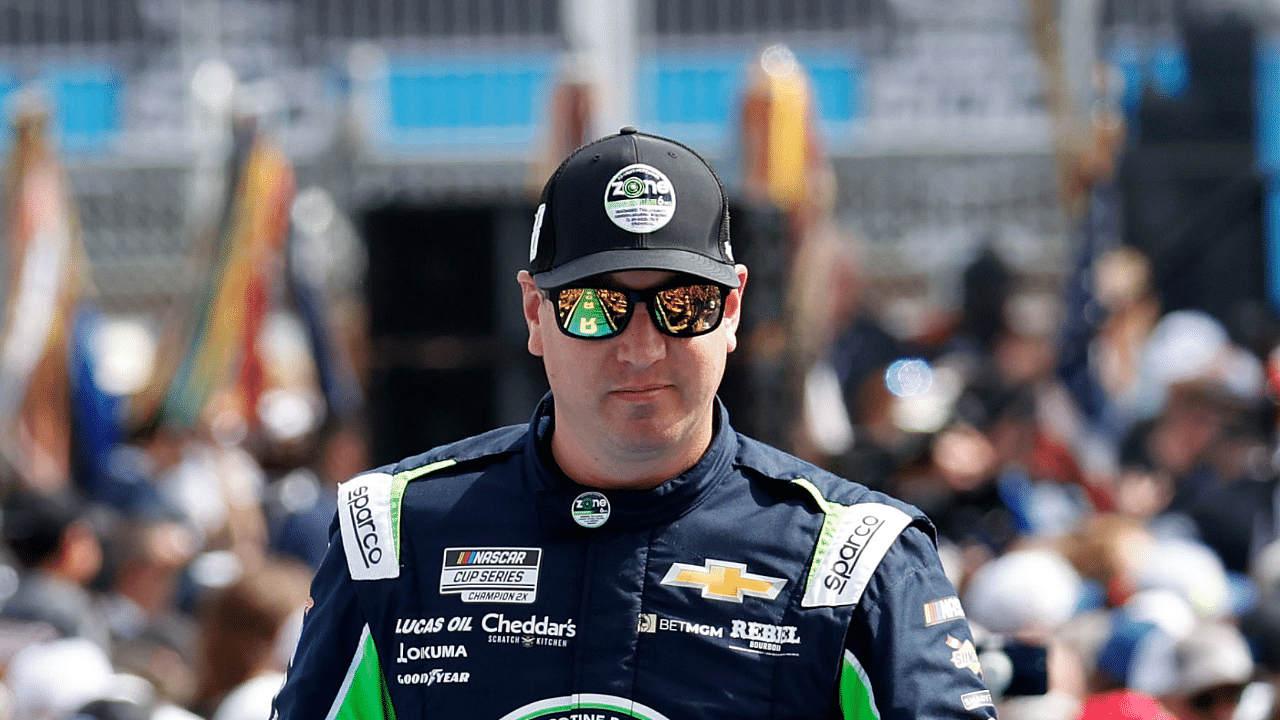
(640, 199)
(537, 230)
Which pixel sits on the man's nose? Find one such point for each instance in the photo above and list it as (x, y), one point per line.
(641, 344)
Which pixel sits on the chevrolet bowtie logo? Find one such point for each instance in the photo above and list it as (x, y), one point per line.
(721, 580)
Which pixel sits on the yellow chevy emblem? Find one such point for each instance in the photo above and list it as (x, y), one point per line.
(722, 580)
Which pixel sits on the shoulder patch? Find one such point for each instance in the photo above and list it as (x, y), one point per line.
(364, 514)
(843, 566)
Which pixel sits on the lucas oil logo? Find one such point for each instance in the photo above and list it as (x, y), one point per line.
(640, 199)
(507, 575)
(364, 514)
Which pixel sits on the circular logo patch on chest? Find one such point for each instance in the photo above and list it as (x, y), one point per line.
(590, 509)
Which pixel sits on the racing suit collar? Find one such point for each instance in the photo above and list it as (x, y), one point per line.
(628, 509)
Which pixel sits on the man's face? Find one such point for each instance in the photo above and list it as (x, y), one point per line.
(638, 396)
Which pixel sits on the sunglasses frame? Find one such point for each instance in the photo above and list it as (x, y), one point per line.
(647, 296)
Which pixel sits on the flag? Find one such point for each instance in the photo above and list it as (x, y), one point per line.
(211, 348)
(47, 269)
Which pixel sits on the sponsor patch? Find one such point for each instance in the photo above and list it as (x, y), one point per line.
(640, 199)
(975, 700)
(723, 580)
(410, 653)
(764, 638)
(590, 509)
(537, 230)
(433, 677)
(654, 623)
(539, 631)
(965, 655)
(584, 706)
(364, 514)
(844, 566)
(491, 574)
(944, 610)
(432, 625)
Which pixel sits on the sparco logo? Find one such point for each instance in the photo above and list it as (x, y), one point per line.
(847, 555)
(366, 529)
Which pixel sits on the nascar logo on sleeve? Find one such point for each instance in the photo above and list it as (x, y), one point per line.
(944, 610)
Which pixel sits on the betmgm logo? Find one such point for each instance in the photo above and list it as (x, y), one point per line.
(653, 623)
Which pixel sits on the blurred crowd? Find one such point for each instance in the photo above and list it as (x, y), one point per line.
(1116, 505)
(174, 586)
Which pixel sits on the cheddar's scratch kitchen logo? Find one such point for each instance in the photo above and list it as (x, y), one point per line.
(528, 632)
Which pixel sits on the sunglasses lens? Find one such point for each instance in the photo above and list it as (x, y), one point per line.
(689, 310)
(591, 312)
(595, 313)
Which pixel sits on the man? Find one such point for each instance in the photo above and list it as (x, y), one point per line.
(58, 556)
(627, 555)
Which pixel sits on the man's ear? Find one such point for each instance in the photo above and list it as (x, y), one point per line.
(733, 309)
(531, 300)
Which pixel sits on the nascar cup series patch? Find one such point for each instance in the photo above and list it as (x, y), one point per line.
(491, 574)
(364, 514)
(640, 199)
(844, 565)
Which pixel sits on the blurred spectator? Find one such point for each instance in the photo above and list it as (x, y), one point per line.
(217, 485)
(59, 554)
(1212, 445)
(1212, 666)
(247, 634)
(51, 680)
(301, 505)
(151, 637)
(1130, 309)
(1123, 705)
(1028, 595)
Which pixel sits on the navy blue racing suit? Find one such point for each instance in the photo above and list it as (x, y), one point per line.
(477, 581)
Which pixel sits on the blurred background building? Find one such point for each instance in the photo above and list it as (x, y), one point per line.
(419, 131)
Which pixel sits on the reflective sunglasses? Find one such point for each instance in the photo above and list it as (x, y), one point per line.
(597, 313)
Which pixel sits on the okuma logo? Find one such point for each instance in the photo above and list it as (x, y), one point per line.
(586, 706)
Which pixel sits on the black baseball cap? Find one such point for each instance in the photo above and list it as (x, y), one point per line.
(632, 201)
